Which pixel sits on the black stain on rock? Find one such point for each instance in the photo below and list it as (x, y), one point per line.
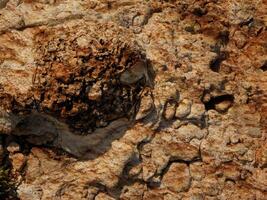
(216, 62)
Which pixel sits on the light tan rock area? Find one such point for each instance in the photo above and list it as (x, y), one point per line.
(133, 99)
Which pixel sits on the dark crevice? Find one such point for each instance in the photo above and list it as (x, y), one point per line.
(7, 186)
(264, 66)
(215, 64)
(200, 11)
(218, 99)
(246, 22)
(224, 37)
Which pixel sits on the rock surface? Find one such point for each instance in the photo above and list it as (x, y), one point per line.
(143, 99)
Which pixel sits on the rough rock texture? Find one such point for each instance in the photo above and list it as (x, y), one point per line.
(140, 99)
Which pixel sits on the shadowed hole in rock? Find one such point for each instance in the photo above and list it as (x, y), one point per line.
(216, 62)
(220, 103)
(264, 66)
(246, 22)
(7, 184)
(200, 11)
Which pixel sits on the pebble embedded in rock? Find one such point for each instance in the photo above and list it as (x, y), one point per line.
(95, 92)
(169, 112)
(103, 196)
(17, 161)
(254, 132)
(223, 106)
(13, 147)
(197, 111)
(183, 109)
(145, 108)
(235, 138)
(240, 39)
(177, 178)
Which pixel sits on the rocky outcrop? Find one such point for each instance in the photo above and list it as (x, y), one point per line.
(103, 99)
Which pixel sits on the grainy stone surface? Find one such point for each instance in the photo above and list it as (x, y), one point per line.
(143, 99)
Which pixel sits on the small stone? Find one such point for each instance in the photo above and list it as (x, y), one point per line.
(138, 20)
(13, 147)
(169, 112)
(149, 171)
(234, 139)
(92, 192)
(135, 171)
(83, 42)
(95, 92)
(223, 106)
(231, 172)
(103, 196)
(183, 109)
(254, 132)
(193, 28)
(17, 161)
(210, 187)
(258, 179)
(146, 107)
(240, 39)
(134, 191)
(30, 191)
(261, 156)
(197, 171)
(197, 111)
(197, 196)
(177, 178)
(249, 156)
(206, 98)
(188, 132)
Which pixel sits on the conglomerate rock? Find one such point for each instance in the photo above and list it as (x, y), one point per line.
(141, 99)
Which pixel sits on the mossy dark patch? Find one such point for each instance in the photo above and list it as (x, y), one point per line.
(80, 83)
(7, 187)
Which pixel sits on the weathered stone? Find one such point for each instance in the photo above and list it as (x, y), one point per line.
(170, 110)
(197, 171)
(13, 147)
(135, 191)
(146, 106)
(223, 106)
(103, 196)
(177, 178)
(18, 160)
(28, 191)
(183, 109)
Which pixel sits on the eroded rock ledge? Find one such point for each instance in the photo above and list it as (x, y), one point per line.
(134, 99)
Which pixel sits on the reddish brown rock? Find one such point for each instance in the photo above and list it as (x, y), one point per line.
(177, 178)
